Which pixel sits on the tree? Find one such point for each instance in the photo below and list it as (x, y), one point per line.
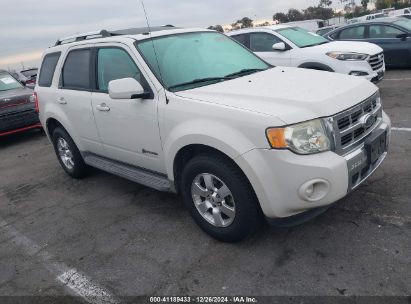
(318, 12)
(245, 22)
(325, 3)
(217, 28)
(364, 3)
(294, 15)
(280, 17)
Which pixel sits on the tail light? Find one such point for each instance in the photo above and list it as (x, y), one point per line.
(36, 102)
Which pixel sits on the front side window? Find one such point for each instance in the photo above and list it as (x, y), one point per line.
(356, 32)
(8, 82)
(301, 37)
(263, 42)
(189, 60)
(76, 70)
(405, 23)
(384, 31)
(115, 63)
(48, 68)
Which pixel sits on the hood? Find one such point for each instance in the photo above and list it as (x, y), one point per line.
(349, 46)
(290, 94)
(15, 97)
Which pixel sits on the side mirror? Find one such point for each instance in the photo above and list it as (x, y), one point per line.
(403, 36)
(280, 46)
(126, 88)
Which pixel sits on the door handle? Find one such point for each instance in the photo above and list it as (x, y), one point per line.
(61, 100)
(103, 107)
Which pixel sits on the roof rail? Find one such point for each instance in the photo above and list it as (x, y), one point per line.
(83, 36)
(105, 33)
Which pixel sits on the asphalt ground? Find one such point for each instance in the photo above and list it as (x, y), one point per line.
(107, 236)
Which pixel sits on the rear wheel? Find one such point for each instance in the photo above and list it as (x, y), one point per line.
(219, 197)
(68, 154)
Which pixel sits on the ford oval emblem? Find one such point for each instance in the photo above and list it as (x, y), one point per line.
(368, 120)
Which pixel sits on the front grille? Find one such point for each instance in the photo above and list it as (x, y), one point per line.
(376, 61)
(16, 120)
(349, 127)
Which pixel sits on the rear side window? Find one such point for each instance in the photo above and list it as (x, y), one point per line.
(47, 69)
(353, 33)
(76, 70)
(241, 38)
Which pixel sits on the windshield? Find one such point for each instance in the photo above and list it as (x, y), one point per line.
(190, 60)
(405, 23)
(7, 82)
(301, 37)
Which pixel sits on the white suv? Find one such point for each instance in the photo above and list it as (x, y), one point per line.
(194, 112)
(284, 45)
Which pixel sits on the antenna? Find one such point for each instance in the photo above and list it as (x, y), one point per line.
(154, 48)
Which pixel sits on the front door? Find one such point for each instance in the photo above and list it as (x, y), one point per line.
(128, 128)
(396, 50)
(262, 44)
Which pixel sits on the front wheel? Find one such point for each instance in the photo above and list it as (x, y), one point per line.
(220, 198)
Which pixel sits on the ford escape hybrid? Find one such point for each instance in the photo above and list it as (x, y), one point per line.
(196, 113)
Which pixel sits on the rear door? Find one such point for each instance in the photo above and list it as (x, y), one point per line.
(128, 128)
(396, 50)
(74, 96)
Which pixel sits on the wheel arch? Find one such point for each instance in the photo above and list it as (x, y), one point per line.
(316, 66)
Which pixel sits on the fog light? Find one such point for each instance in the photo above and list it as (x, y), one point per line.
(358, 73)
(314, 190)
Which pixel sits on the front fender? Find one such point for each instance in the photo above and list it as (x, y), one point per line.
(219, 136)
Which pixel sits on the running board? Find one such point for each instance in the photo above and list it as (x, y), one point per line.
(138, 175)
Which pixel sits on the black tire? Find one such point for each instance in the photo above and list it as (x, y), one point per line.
(79, 169)
(247, 210)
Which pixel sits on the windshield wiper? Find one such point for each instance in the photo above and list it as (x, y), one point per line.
(200, 80)
(244, 72)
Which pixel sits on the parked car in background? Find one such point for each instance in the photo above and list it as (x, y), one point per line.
(401, 12)
(284, 45)
(405, 16)
(194, 112)
(393, 35)
(309, 25)
(374, 16)
(326, 29)
(18, 111)
(26, 77)
(31, 75)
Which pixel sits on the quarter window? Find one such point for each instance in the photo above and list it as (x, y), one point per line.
(383, 31)
(115, 63)
(263, 42)
(76, 70)
(353, 33)
(48, 68)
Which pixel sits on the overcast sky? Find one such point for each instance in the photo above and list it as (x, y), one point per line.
(27, 27)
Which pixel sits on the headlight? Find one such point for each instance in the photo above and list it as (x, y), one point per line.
(347, 56)
(304, 138)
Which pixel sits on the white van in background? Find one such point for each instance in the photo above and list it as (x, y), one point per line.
(310, 25)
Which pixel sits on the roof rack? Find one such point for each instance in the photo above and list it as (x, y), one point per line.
(105, 33)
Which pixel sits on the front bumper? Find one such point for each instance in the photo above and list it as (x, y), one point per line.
(364, 69)
(288, 184)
